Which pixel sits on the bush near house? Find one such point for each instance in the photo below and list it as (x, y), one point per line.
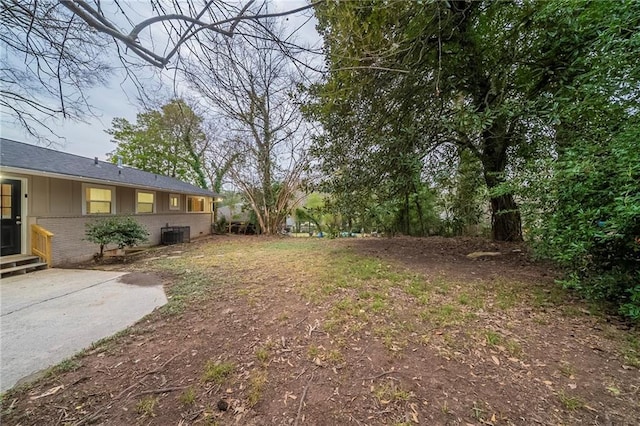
(120, 230)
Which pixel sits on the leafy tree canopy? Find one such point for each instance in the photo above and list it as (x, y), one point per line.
(169, 141)
(407, 81)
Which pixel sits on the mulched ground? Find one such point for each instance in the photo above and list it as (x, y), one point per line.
(264, 332)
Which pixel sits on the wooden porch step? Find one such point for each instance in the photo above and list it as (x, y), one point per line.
(23, 269)
(20, 264)
(16, 260)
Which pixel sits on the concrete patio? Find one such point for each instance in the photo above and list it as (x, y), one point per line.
(47, 316)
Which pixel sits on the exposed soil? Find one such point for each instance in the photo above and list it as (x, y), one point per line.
(371, 331)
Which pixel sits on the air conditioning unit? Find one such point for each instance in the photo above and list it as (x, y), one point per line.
(175, 235)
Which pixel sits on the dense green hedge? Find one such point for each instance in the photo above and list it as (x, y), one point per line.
(594, 228)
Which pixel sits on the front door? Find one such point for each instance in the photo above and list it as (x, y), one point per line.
(10, 203)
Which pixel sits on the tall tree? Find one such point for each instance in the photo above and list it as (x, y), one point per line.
(406, 78)
(169, 141)
(253, 86)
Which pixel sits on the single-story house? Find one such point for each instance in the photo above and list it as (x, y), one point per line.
(48, 196)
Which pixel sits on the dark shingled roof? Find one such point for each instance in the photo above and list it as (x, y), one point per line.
(39, 159)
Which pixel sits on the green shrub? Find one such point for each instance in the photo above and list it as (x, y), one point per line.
(120, 230)
(594, 229)
(222, 226)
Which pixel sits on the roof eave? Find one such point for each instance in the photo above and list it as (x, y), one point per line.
(34, 172)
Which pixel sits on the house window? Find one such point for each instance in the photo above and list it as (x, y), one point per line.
(145, 202)
(99, 199)
(6, 201)
(195, 204)
(174, 202)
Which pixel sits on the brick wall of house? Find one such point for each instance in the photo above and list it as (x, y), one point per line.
(69, 246)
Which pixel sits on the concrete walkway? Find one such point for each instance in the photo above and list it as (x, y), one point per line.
(50, 315)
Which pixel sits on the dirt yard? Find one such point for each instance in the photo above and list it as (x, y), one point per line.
(368, 331)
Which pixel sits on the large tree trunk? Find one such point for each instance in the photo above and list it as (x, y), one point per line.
(506, 224)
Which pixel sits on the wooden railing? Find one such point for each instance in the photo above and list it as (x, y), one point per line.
(41, 243)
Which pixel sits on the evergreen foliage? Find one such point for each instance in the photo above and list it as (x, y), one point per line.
(122, 231)
(169, 141)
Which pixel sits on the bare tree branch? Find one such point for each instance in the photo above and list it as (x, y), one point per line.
(254, 88)
(96, 20)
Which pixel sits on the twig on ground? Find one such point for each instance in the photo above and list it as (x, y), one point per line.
(304, 394)
(195, 415)
(62, 414)
(354, 419)
(301, 321)
(162, 390)
(217, 388)
(364, 353)
(81, 379)
(301, 373)
(377, 376)
(311, 328)
(94, 416)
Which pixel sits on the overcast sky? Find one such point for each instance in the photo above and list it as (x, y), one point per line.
(119, 99)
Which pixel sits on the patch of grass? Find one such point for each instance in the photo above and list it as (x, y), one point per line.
(390, 392)
(473, 298)
(373, 300)
(464, 299)
(109, 343)
(477, 411)
(283, 317)
(442, 315)
(146, 406)
(189, 285)
(69, 364)
(492, 338)
(566, 369)
(391, 344)
(379, 303)
(217, 372)
(188, 397)
(334, 356)
(572, 311)
(418, 288)
(570, 402)
(542, 320)
(548, 296)
(506, 298)
(613, 390)
(631, 350)
(313, 351)
(348, 309)
(256, 386)
(457, 342)
(442, 287)
(263, 354)
(513, 348)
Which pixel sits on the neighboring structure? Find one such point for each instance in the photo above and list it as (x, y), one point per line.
(50, 192)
